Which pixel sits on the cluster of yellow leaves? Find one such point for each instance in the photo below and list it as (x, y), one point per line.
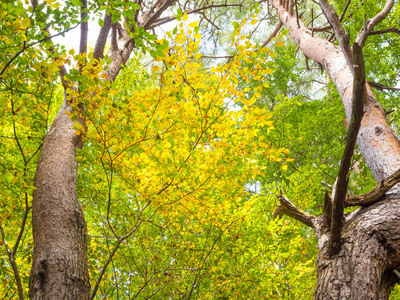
(188, 136)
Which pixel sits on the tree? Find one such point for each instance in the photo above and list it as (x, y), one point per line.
(178, 128)
(357, 252)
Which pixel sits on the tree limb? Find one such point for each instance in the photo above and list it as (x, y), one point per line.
(383, 31)
(272, 35)
(327, 212)
(162, 21)
(369, 26)
(376, 194)
(341, 35)
(98, 51)
(285, 207)
(351, 136)
(84, 28)
(381, 87)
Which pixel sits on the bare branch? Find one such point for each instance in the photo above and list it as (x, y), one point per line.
(285, 207)
(14, 266)
(369, 26)
(273, 34)
(381, 87)
(162, 21)
(383, 31)
(341, 35)
(155, 12)
(351, 136)
(376, 194)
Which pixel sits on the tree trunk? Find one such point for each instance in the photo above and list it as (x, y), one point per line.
(59, 268)
(363, 268)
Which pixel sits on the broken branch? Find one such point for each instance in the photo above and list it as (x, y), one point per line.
(285, 207)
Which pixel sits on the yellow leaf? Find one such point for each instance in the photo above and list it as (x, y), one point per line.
(198, 55)
(266, 85)
(254, 22)
(185, 17)
(247, 89)
(194, 24)
(197, 36)
(284, 167)
(280, 43)
(268, 71)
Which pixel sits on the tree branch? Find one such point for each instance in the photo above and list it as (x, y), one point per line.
(381, 87)
(84, 28)
(272, 35)
(376, 194)
(13, 264)
(351, 136)
(285, 207)
(369, 26)
(327, 211)
(383, 31)
(162, 21)
(341, 35)
(98, 51)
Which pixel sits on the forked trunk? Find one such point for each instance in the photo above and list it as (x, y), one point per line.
(370, 252)
(363, 269)
(59, 268)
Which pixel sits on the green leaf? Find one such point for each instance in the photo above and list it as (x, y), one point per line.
(76, 2)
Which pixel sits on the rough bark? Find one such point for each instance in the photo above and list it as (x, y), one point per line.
(369, 253)
(370, 236)
(59, 268)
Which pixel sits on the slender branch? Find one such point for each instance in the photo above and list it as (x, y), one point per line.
(84, 28)
(116, 247)
(344, 11)
(376, 194)
(369, 26)
(341, 35)
(13, 264)
(162, 21)
(381, 87)
(351, 136)
(383, 31)
(273, 34)
(285, 207)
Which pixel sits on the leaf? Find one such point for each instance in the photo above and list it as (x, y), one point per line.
(197, 36)
(76, 2)
(254, 22)
(280, 43)
(198, 55)
(185, 17)
(194, 24)
(101, 22)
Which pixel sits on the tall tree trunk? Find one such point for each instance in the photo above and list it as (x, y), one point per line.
(59, 268)
(363, 268)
